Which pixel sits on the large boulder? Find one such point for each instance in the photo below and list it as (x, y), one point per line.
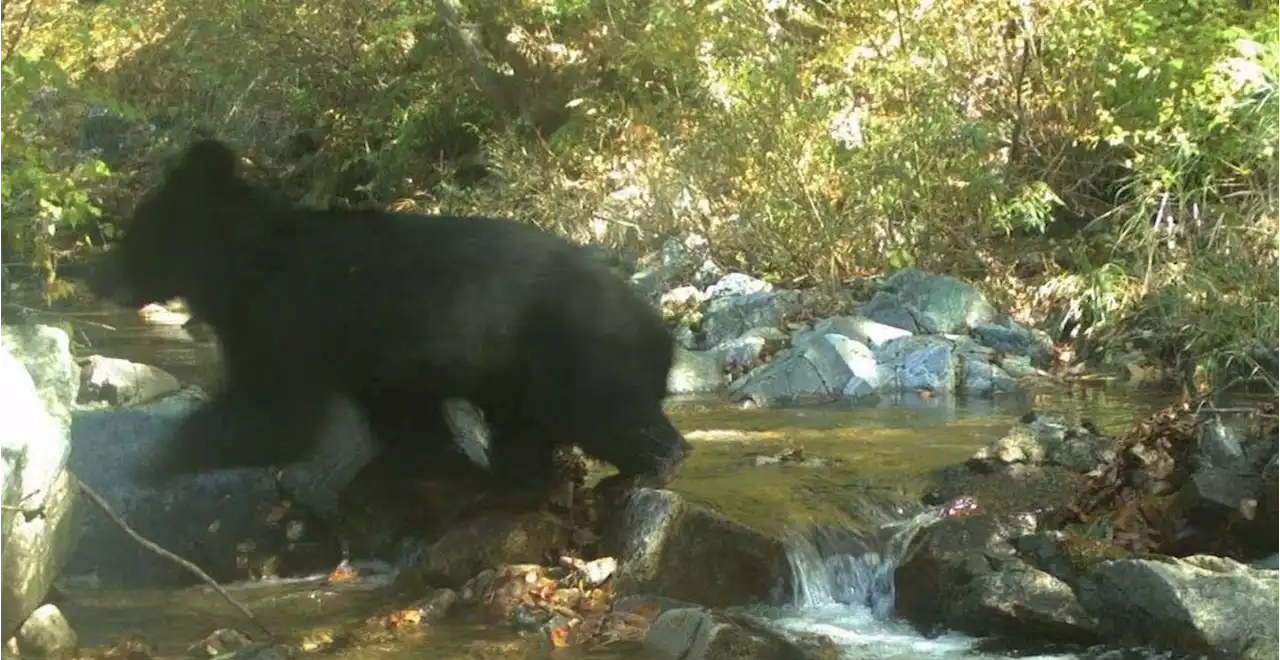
(924, 303)
(39, 494)
(669, 546)
(118, 382)
(233, 524)
(45, 351)
(1200, 605)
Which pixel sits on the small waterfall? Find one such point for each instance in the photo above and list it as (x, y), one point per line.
(843, 589)
(833, 565)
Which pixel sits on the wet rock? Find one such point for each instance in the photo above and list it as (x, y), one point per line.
(810, 369)
(39, 493)
(728, 317)
(1008, 336)
(698, 634)
(46, 634)
(436, 606)
(118, 382)
(795, 456)
(493, 538)
(924, 303)
(232, 523)
(1045, 440)
(696, 372)
(1181, 605)
(669, 546)
(219, 642)
(46, 353)
(964, 574)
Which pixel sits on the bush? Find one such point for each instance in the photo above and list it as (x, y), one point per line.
(1110, 159)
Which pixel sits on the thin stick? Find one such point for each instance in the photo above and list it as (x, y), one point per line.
(149, 545)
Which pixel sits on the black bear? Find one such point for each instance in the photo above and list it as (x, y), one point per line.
(396, 312)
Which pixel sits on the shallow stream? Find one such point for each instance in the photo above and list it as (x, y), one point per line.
(852, 453)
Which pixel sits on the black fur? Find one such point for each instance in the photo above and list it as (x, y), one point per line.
(397, 312)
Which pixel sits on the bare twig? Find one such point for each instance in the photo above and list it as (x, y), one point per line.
(149, 545)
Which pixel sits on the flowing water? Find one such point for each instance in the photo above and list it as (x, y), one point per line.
(857, 458)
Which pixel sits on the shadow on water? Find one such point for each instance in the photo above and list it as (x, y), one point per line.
(856, 457)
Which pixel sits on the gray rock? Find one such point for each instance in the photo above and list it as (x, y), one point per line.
(46, 634)
(865, 371)
(861, 329)
(45, 351)
(730, 316)
(924, 303)
(965, 574)
(696, 372)
(812, 368)
(1019, 366)
(746, 351)
(667, 545)
(38, 521)
(1045, 440)
(737, 284)
(120, 382)
(1195, 605)
(685, 338)
(1215, 488)
(981, 377)
(1219, 446)
(692, 633)
(918, 363)
(232, 523)
(1013, 338)
(677, 258)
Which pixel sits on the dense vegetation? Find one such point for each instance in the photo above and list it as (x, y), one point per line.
(1106, 165)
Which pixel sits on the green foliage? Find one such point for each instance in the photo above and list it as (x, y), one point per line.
(42, 192)
(1133, 141)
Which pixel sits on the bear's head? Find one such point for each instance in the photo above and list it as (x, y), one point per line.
(177, 237)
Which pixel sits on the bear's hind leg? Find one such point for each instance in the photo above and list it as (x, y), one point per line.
(240, 428)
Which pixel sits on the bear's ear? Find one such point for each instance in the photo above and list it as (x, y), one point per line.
(209, 161)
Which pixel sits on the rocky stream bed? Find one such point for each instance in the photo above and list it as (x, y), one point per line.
(1020, 529)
